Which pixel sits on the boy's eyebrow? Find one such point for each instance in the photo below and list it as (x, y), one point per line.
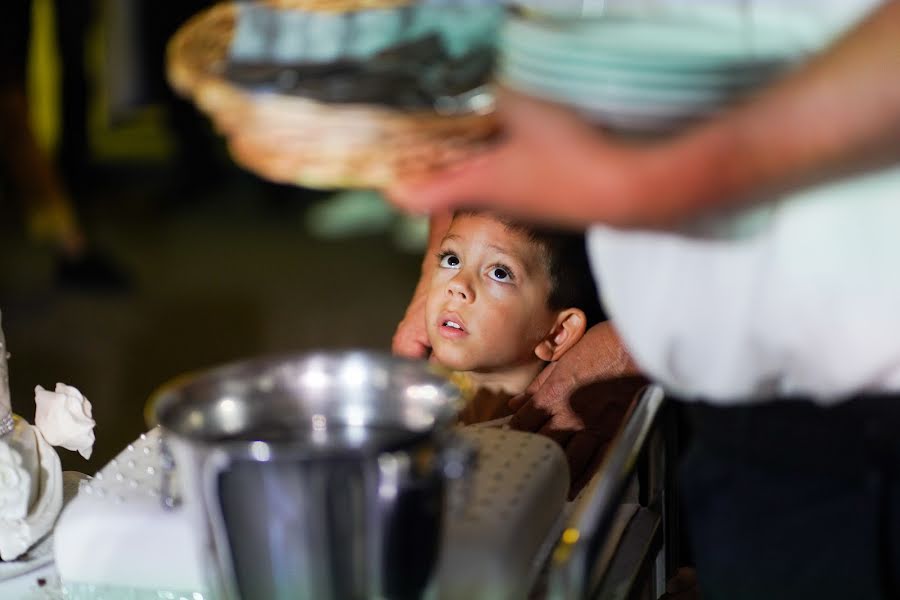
(522, 260)
(503, 250)
(499, 248)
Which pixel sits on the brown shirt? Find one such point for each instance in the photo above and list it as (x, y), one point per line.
(485, 405)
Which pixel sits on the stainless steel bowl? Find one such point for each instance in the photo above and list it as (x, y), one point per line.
(317, 475)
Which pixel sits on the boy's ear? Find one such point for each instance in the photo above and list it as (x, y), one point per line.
(567, 330)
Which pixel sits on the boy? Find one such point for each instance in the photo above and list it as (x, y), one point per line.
(505, 300)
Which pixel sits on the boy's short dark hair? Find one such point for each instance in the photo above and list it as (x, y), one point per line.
(571, 282)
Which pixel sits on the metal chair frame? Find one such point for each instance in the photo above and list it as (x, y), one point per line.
(590, 563)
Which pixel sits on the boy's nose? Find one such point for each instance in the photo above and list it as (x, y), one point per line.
(458, 288)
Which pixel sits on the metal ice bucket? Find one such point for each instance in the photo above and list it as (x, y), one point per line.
(315, 476)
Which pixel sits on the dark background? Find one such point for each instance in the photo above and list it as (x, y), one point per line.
(220, 265)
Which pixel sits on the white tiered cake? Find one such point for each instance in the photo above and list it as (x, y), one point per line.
(31, 480)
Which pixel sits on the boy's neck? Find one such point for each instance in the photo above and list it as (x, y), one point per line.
(491, 391)
(512, 380)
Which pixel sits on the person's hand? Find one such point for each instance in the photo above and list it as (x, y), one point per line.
(580, 400)
(411, 338)
(550, 166)
(683, 585)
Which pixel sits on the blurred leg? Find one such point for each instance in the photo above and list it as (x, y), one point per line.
(34, 176)
(194, 161)
(48, 211)
(49, 214)
(72, 20)
(789, 502)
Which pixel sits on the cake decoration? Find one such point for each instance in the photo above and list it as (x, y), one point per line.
(64, 418)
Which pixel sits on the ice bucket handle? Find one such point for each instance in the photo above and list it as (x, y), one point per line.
(225, 584)
(217, 547)
(169, 498)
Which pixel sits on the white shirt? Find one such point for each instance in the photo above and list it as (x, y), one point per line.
(807, 302)
(799, 296)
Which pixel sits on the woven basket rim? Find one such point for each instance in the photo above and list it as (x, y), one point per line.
(189, 73)
(335, 5)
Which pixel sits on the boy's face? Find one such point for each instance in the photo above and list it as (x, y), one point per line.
(487, 305)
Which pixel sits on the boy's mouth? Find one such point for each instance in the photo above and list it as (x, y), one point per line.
(451, 326)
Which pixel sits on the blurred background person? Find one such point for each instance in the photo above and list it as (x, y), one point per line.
(197, 158)
(40, 182)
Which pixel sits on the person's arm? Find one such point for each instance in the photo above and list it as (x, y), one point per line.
(837, 114)
(410, 338)
(840, 112)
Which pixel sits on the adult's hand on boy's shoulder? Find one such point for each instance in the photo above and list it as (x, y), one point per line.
(600, 355)
(580, 400)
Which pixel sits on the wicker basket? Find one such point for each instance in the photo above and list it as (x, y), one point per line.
(296, 140)
(336, 5)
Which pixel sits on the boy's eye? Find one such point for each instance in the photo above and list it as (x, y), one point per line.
(500, 274)
(449, 261)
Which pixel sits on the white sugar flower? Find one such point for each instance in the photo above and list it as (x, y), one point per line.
(15, 484)
(64, 418)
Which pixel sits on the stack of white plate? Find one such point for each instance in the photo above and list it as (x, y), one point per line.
(639, 74)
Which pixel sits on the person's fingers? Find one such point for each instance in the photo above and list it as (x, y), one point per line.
(409, 348)
(683, 586)
(541, 378)
(528, 417)
(493, 174)
(525, 113)
(516, 402)
(409, 341)
(560, 436)
(463, 182)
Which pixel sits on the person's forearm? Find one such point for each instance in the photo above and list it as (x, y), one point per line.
(837, 114)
